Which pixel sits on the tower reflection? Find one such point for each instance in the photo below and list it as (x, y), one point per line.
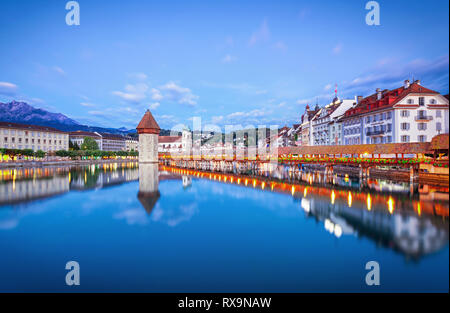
(148, 193)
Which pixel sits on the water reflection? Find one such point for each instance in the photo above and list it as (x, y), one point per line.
(28, 184)
(385, 212)
(148, 193)
(412, 223)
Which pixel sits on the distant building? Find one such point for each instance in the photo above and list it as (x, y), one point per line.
(326, 130)
(112, 142)
(22, 136)
(169, 144)
(306, 125)
(131, 143)
(77, 137)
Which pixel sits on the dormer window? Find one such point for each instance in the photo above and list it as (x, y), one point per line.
(421, 101)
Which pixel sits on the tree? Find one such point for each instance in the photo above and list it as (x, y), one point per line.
(73, 146)
(39, 154)
(89, 144)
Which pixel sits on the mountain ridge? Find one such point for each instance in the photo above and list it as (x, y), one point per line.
(23, 113)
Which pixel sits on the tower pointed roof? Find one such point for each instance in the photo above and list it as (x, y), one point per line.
(148, 124)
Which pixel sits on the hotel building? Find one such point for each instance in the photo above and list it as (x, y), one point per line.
(22, 136)
(411, 113)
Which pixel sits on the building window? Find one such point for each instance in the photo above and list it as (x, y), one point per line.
(368, 119)
(389, 127)
(438, 126)
(422, 138)
(438, 113)
(389, 115)
(405, 138)
(421, 101)
(410, 101)
(422, 126)
(432, 101)
(404, 126)
(404, 113)
(389, 139)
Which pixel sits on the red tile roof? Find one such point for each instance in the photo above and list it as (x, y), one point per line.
(148, 124)
(388, 99)
(168, 139)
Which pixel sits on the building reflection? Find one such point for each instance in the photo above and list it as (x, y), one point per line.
(28, 184)
(381, 211)
(148, 193)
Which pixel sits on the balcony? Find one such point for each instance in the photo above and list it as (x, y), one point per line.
(375, 132)
(423, 118)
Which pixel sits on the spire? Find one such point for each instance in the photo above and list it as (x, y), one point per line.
(148, 124)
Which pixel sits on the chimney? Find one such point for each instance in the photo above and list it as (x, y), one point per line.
(417, 82)
(358, 99)
(407, 84)
(378, 93)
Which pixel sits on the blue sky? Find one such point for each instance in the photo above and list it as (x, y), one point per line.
(228, 62)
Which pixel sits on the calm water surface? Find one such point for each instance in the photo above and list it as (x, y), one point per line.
(171, 230)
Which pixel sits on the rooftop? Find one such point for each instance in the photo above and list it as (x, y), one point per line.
(29, 127)
(148, 124)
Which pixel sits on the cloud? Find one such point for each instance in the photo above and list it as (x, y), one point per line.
(280, 45)
(337, 49)
(327, 87)
(261, 35)
(433, 74)
(228, 59)
(178, 94)
(156, 94)
(133, 93)
(138, 76)
(59, 70)
(87, 104)
(241, 87)
(8, 89)
(154, 105)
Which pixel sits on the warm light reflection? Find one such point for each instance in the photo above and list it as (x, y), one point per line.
(419, 209)
(369, 202)
(391, 205)
(333, 196)
(293, 190)
(350, 199)
(305, 192)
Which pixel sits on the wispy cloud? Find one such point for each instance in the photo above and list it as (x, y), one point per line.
(138, 76)
(174, 92)
(133, 93)
(59, 70)
(8, 89)
(260, 35)
(280, 45)
(228, 59)
(337, 49)
(87, 104)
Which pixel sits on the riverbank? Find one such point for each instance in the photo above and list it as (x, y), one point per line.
(30, 164)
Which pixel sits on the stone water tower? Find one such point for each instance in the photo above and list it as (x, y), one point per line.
(148, 131)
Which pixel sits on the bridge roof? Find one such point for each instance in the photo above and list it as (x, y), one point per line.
(389, 148)
(440, 142)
